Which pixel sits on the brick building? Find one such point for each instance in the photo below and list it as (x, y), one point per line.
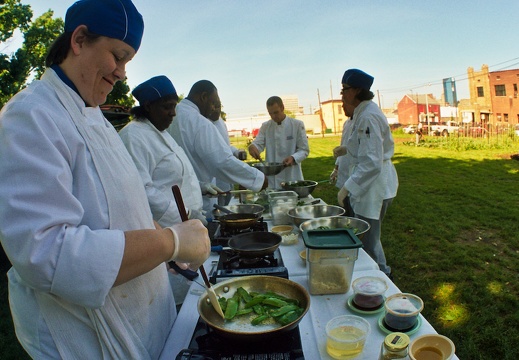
(493, 101)
(412, 109)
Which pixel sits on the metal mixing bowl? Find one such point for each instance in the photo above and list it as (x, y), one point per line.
(360, 227)
(303, 188)
(300, 214)
(269, 169)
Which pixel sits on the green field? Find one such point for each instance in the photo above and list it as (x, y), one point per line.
(451, 237)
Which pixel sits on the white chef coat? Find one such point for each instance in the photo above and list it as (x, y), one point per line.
(222, 128)
(343, 162)
(68, 190)
(208, 152)
(372, 175)
(280, 141)
(162, 164)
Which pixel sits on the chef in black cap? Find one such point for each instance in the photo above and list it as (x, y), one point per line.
(371, 182)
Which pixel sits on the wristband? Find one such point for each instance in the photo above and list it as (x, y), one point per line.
(176, 241)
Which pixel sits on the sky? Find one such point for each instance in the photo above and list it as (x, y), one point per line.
(254, 49)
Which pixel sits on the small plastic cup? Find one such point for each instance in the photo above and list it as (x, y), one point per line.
(431, 347)
(402, 311)
(346, 336)
(369, 292)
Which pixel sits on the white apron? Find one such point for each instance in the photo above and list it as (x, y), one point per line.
(115, 333)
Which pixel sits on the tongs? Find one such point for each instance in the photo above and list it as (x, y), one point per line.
(210, 291)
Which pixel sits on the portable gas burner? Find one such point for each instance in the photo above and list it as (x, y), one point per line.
(209, 345)
(230, 264)
(220, 235)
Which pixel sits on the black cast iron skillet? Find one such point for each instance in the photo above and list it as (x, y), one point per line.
(255, 244)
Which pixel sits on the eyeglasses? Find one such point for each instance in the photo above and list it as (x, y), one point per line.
(344, 89)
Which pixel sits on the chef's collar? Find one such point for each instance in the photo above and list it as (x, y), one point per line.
(64, 78)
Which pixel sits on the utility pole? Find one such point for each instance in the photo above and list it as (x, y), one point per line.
(427, 110)
(333, 109)
(321, 114)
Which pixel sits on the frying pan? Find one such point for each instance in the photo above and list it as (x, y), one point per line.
(241, 328)
(238, 221)
(252, 209)
(255, 244)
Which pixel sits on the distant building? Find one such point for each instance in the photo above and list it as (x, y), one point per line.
(449, 91)
(493, 101)
(291, 103)
(412, 109)
(333, 115)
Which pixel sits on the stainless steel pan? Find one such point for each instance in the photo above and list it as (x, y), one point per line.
(241, 328)
(238, 221)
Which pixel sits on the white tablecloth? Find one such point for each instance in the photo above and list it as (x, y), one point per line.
(312, 326)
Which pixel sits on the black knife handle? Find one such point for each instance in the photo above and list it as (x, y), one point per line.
(188, 274)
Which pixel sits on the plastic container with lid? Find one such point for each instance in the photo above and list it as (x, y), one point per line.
(330, 257)
(280, 202)
(369, 292)
(395, 347)
(402, 311)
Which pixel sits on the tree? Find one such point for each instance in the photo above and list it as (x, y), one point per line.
(119, 95)
(29, 60)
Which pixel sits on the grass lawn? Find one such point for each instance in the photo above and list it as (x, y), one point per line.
(451, 237)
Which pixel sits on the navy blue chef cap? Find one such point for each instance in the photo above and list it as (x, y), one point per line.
(118, 19)
(357, 78)
(154, 89)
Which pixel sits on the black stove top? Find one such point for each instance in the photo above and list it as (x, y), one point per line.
(209, 345)
(220, 235)
(231, 265)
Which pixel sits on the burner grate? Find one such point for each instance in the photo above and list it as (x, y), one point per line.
(206, 342)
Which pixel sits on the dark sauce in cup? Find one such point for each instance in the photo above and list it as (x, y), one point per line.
(401, 322)
(368, 302)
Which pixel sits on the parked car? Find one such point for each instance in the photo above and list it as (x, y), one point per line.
(410, 129)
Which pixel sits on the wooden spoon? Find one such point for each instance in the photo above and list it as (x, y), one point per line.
(210, 291)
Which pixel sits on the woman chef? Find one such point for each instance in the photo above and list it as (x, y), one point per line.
(372, 181)
(160, 161)
(89, 278)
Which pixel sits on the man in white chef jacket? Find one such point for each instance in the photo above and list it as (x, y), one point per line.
(217, 120)
(284, 140)
(207, 150)
(372, 181)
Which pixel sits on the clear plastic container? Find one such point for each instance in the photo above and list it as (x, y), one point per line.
(280, 202)
(330, 258)
(369, 292)
(346, 336)
(402, 311)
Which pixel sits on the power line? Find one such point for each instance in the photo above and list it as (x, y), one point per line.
(463, 76)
